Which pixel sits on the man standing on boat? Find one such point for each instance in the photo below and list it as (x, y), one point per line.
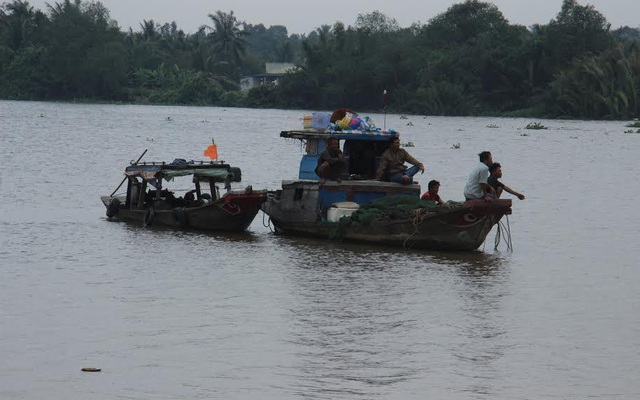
(392, 165)
(477, 186)
(331, 161)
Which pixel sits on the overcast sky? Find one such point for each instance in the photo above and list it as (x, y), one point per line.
(305, 16)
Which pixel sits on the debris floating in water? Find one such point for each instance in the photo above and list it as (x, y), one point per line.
(91, 369)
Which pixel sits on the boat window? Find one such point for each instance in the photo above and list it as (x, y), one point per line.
(362, 157)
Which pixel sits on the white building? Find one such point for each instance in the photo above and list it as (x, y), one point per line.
(275, 71)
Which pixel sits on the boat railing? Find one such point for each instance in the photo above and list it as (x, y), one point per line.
(187, 164)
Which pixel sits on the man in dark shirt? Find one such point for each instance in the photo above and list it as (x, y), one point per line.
(331, 161)
(495, 171)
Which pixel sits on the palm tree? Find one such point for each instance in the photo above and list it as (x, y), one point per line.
(226, 36)
(66, 7)
(149, 30)
(19, 22)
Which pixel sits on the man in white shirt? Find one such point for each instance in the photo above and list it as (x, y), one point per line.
(477, 186)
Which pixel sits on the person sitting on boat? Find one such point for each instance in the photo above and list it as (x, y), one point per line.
(432, 193)
(152, 195)
(495, 171)
(172, 201)
(331, 161)
(477, 186)
(392, 166)
(190, 199)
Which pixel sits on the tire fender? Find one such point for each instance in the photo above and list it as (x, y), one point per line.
(113, 208)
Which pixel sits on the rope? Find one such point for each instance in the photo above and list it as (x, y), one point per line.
(268, 214)
(498, 237)
(507, 233)
(420, 214)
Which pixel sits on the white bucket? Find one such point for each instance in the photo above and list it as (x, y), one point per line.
(347, 205)
(335, 213)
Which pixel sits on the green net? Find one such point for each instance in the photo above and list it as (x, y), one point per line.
(387, 209)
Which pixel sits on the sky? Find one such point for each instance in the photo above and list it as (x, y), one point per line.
(302, 17)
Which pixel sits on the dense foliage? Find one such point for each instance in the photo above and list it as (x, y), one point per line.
(467, 60)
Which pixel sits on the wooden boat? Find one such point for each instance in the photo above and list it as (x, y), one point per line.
(307, 207)
(201, 207)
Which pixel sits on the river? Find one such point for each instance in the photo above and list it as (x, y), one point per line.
(188, 315)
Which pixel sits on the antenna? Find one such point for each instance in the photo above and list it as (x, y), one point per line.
(384, 103)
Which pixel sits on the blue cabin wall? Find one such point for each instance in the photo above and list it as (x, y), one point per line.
(328, 197)
(362, 192)
(309, 161)
(308, 167)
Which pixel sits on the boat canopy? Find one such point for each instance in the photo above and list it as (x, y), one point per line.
(215, 172)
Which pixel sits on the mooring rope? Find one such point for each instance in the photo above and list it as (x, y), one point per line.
(499, 233)
(420, 215)
(268, 214)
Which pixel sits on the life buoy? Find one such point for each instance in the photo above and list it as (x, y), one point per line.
(113, 207)
(470, 217)
(148, 216)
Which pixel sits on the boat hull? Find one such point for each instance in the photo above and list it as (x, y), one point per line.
(462, 227)
(433, 233)
(234, 212)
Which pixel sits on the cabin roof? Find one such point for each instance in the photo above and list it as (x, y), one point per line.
(150, 170)
(381, 136)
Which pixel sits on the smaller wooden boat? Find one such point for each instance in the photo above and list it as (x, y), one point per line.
(200, 207)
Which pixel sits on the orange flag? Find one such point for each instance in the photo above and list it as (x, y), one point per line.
(212, 152)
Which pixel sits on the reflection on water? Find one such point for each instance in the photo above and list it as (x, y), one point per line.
(482, 344)
(355, 336)
(347, 309)
(158, 234)
(178, 314)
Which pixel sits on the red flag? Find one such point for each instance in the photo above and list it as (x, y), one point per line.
(212, 152)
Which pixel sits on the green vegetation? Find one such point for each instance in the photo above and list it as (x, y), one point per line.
(535, 125)
(467, 60)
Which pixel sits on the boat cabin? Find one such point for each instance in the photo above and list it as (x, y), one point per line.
(145, 182)
(362, 152)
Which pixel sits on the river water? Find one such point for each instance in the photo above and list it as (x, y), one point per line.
(184, 315)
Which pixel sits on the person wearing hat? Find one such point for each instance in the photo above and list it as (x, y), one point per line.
(432, 193)
(495, 173)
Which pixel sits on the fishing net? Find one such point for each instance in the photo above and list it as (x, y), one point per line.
(388, 209)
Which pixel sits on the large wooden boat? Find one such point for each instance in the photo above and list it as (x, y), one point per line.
(201, 207)
(309, 207)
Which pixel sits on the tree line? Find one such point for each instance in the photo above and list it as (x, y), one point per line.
(468, 60)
